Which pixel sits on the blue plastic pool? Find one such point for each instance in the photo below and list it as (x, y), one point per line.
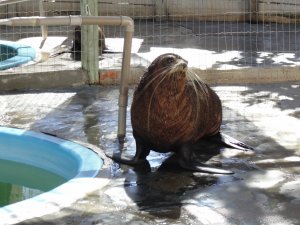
(14, 54)
(77, 164)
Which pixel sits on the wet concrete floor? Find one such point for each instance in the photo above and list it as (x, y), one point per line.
(264, 189)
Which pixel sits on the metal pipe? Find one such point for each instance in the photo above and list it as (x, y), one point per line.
(44, 29)
(8, 2)
(123, 99)
(125, 21)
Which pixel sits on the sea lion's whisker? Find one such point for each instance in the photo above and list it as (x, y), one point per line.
(177, 68)
(151, 81)
(175, 85)
(201, 92)
(150, 102)
(197, 102)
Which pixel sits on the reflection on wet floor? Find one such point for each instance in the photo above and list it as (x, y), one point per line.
(263, 190)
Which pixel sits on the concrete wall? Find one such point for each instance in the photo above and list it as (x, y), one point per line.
(209, 10)
(283, 11)
(212, 10)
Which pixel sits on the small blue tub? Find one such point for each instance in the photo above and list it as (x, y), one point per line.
(14, 54)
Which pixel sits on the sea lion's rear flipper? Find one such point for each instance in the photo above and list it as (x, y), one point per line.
(230, 141)
(188, 160)
(201, 167)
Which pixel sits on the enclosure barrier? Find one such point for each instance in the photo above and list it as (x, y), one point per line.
(278, 11)
(41, 10)
(124, 21)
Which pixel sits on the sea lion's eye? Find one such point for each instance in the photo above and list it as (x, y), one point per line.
(170, 60)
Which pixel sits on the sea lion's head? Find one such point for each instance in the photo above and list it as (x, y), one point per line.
(169, 70)
(165, 89)
(168, 64)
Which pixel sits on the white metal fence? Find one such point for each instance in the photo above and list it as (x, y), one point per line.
(214, 35)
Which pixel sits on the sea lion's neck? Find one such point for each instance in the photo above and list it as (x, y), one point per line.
(179, 85)
(163, 87)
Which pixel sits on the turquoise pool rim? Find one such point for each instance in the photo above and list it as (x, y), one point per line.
(78, 164)
(23, 54)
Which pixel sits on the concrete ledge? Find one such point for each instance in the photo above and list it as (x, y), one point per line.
(54, 79)
(250, 75)
(71, 78)
(212, 76)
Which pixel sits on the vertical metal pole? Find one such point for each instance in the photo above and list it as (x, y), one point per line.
(123, 98)
(3, 11)
(44, 29)
(161, 10)
(253, 11)
(89, 42)
(11, 10)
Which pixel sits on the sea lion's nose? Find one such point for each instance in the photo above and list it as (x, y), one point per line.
(184, 65)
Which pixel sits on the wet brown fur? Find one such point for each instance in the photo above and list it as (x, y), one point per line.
(172, 107)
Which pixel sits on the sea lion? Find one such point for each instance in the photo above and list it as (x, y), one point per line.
(76, 46)
(172, 109)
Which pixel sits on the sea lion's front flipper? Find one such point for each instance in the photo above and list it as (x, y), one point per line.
(230, 141)
(131, 162)
(142, 151)
(201, 167)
